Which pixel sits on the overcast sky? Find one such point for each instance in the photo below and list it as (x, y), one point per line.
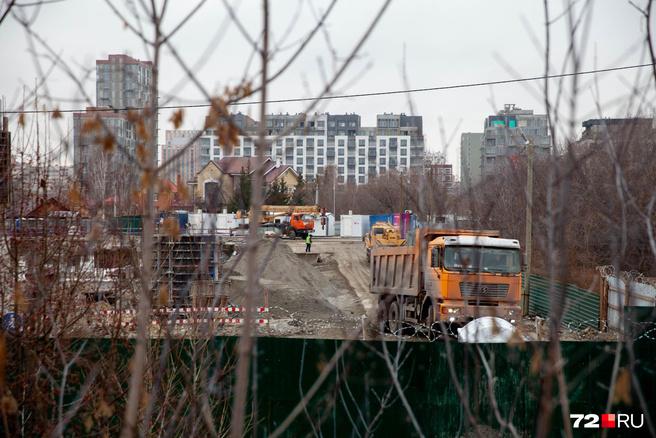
(445, 43)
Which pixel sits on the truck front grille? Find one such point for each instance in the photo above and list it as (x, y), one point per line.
(483, 290)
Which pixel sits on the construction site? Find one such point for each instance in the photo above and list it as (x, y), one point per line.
(371, 277)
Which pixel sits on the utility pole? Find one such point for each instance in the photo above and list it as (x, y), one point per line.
(529, 223)
(334, 187)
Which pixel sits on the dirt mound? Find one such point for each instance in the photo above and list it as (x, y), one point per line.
(303, 296)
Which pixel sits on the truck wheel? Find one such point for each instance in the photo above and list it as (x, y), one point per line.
(292, 234)
(382, 316)
(431, 325)
(394, 318)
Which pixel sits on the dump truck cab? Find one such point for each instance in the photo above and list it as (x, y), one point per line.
(468, 276)
(445, 275)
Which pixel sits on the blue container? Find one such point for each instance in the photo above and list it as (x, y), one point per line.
(389, 218)
(183, 219)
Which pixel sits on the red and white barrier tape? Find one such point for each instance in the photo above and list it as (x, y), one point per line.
(195, 321)
(229, 309)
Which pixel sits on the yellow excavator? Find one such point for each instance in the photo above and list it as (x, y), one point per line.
(382, 234)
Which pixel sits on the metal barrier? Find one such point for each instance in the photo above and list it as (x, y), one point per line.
(581, 305)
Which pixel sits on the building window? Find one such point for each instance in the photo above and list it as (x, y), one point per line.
(361, 143)
(204, 141)
(320, 142)
(404, 152)
(340, 161)
(361, 161)
(382, 142)
(320, 161)
(342, 124)
(361, 170)
(382, 152)
(299, 161)
(381, 161)
(361, 180)
(299, 142)
(321, 124)
(340, 152)
(340, 143)
(404, 142)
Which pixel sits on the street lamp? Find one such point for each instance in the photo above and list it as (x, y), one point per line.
(529, 221)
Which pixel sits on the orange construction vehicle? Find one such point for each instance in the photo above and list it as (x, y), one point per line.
(382, 234)
(447, 275)
(293, 220)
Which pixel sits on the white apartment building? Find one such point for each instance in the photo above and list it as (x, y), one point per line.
(311, 143)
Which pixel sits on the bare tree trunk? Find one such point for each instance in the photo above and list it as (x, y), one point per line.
(246, 340)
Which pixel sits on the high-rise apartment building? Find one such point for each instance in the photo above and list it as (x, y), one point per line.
(502, 136)
(123, 82)
(313, 142)
(470, 158)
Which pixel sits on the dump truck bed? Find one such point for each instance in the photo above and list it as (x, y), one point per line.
(395, 270)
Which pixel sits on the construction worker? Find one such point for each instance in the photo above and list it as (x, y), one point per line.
(308, 242)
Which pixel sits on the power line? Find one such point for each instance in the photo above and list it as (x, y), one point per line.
(350, 96)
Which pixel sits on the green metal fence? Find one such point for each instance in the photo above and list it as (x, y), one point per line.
(581, 305)
(358, 397)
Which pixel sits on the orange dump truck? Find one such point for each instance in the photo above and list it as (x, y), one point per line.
(447, 275)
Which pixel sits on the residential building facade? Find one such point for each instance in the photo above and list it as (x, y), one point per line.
(217, 181)
(502, 136)
(107, 175)
(438, 170)
(188, 164)
(123, 82)
(313, 142)
(470, 158)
